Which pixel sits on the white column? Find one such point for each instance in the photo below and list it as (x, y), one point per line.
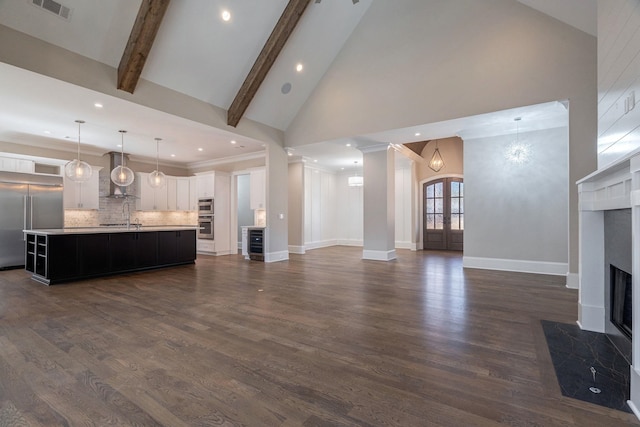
(591, 312)
(379, 203)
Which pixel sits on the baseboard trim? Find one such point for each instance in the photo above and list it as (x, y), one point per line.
(404, 245)
(521, 266)
(379, 255)
(320, 244)
(276, 256)
(350, 242)
(296, 250)
(573, 281)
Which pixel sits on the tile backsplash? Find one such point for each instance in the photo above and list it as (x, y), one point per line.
(112, 210)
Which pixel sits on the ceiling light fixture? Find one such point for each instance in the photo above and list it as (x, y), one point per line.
(436, 163)
(226, 15)
(518, 152)
(355, 181)
(98, 105)
(77, 170)
(233, 141)
(299, 67)
(156, 178)
(121, 175)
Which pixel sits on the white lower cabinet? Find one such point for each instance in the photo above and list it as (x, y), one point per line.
(206, 246)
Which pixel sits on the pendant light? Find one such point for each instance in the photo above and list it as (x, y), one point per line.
(122, 175)
(77, 170)
(518, 152)
(157, 179)
(436, 163)
(355, 181)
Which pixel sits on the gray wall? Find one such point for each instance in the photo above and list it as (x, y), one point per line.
(517, 211)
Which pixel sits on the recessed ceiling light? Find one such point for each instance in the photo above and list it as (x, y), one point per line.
(315, 161)
(47, 132)
(233, 141)
(226, 15)
(417, 133)
(98, 105)
(200, 149)
(348, 145)
(341, 168)
(173, 155)
(119, 145)
(299, 67)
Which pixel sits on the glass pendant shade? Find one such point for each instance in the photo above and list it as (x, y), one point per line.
(122, 175)
(355, 181)
(156, 178)
(77, 170)
(436, 163)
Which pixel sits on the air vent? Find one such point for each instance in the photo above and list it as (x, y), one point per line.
(53, 7)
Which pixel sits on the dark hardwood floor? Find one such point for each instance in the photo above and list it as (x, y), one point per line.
(325, 339)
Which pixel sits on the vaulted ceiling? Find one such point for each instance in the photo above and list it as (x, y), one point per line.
(195, 52)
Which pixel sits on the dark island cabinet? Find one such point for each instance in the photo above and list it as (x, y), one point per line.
(55, 258)
(176, 247)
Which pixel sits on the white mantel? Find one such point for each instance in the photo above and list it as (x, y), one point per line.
(616, 186)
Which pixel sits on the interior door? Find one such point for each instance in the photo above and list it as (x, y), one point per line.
(444, 214)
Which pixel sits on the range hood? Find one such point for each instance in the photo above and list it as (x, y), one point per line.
(115, 191)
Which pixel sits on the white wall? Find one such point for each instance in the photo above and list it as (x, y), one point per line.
(320, 210)
(516, 215)
(404, 194)
(618, 79)
(349, 202)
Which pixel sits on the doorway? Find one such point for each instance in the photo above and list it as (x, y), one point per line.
(443, 214)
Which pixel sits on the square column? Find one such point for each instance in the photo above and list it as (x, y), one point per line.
(379, 203)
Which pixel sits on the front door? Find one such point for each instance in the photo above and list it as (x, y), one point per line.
(444, 214)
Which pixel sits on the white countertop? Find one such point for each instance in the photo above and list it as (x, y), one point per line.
(107, 229)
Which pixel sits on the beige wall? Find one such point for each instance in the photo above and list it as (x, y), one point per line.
(451, 150)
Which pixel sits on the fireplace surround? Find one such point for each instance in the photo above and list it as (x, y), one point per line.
(609, 234)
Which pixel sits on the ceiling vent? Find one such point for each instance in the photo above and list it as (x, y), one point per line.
(53, 7)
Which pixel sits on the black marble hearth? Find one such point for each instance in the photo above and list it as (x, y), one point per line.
(574, 351)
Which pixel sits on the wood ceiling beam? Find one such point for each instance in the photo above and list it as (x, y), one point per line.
(140, 41)
(276, 41)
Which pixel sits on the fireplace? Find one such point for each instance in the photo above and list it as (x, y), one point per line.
(621, 308)
(609, 234)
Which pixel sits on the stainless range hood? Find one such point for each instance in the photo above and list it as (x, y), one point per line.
(115, 191)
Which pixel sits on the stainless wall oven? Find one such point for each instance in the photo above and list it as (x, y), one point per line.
(205, 222)
(205, 206)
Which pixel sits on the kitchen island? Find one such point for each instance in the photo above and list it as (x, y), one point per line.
(67, 254)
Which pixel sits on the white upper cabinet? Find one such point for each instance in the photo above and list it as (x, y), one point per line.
(11, 164)
(193, 193)
(183, 199)
(82, 195)
(205, 185)
(149, 198)
(257, 189)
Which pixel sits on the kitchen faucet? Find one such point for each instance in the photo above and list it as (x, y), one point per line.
(126, 214)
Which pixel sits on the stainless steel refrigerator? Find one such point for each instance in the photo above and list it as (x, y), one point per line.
(27, 202)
